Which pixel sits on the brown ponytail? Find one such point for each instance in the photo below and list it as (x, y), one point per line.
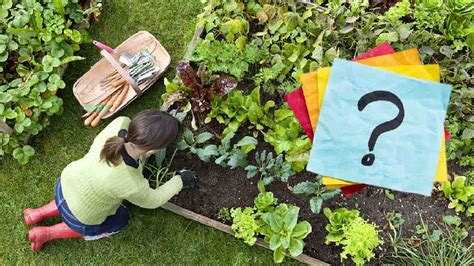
(148, 130)
(112, 151)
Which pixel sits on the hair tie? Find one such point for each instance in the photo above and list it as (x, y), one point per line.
(123, 134)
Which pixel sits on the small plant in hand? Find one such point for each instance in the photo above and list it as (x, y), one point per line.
(318, 192)
(269, 168)
(461, 195)
(358, 237)
(159, 167)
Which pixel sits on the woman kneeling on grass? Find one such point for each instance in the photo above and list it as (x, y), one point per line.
(90, 191)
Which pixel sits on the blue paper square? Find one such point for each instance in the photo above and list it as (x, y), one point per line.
(406, 157)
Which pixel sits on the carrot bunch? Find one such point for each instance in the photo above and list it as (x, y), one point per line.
(108, 105)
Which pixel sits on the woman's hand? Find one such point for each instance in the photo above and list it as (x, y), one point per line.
(189, 178)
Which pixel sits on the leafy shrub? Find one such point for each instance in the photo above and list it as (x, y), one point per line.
(317, 192)
(238, 108)
(461, 195)
(269, 168)
(357, 236)
(220, 56)
(37, 38)
(285, 135)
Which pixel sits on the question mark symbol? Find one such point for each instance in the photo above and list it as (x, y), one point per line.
(374, 96)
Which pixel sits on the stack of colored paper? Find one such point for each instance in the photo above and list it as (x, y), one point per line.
(327, 108)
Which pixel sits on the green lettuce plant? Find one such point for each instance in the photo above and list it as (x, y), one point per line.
(357, 236)
(360, 239)
(283, 231)
(285, 135)
(265, 201)
(461, 195)
(244, 224)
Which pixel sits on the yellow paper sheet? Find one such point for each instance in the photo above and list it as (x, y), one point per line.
(426, 72)
(310, 83)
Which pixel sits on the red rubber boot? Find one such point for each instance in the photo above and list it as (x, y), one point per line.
(40, 235)
(33, 216)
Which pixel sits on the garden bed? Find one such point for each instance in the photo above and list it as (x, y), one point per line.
(224, 188)
(273, 54)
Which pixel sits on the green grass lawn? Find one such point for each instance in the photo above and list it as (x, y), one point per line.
(153, 236)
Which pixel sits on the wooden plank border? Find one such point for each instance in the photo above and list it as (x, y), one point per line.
(225, 228)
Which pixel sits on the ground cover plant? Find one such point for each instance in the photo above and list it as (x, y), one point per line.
(265, 47)
(38, 38)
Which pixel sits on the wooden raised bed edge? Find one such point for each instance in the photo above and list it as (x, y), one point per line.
(225, 228)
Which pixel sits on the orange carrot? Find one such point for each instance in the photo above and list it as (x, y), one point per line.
(120, 98)
(92, 115)
(106, 108)
(118, 83)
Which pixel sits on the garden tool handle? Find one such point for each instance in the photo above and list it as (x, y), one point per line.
(122, 72)
(103, 46)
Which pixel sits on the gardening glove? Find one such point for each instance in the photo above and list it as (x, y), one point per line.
(189, 178)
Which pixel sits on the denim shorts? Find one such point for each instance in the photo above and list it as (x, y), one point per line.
(111, 225)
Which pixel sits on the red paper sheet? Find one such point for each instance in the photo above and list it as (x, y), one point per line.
(297, 103)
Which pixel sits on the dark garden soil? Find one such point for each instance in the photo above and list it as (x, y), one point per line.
(220, 187)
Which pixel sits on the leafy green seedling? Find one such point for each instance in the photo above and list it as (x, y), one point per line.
(461, 195)
(269, 168)
(190, 142)
(245, 224)
(283, 231)
(318, 192)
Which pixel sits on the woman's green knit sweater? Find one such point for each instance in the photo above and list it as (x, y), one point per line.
(94, 190)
